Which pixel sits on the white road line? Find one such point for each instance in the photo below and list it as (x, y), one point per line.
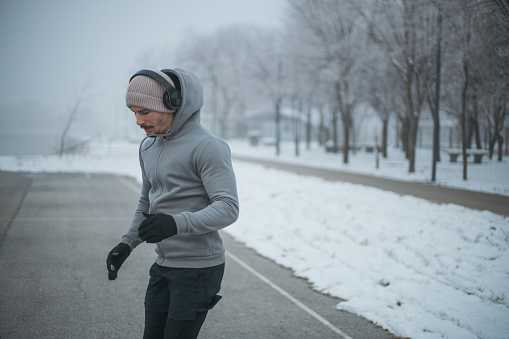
(129, 184)
(288, 296)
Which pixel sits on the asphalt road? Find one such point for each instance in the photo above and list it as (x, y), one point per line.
(475, 200)
(55, 233)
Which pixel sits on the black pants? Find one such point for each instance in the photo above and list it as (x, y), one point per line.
(159, 326)
(182, 292)
(178, 299)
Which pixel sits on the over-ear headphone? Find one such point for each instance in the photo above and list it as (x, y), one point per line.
(171, 97)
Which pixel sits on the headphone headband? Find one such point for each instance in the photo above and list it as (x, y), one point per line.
(171, 97)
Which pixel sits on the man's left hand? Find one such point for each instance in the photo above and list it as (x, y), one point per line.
(157, 227)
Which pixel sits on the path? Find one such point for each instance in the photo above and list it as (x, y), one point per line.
(476, 200)
(55, 233)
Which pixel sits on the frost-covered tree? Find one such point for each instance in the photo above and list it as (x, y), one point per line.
(492, 69)
(476, 38)
(382, 93)
(219, 58)
(333, 44)
(267, 75)
(404, 31)
(71, 118)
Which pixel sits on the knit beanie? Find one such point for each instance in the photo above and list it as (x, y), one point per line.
(146, 92)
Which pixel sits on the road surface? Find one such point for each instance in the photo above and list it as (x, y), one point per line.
(55, 233)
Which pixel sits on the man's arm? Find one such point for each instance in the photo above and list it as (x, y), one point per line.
(216, 172)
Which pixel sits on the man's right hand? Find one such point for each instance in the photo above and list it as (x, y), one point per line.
(116, 258)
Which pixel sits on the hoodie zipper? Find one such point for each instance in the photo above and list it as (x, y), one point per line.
(161, 185)
(152, 210)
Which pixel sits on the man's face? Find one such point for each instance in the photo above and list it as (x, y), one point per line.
(153, 122)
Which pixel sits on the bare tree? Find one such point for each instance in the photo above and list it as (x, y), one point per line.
(478, 43)
(306, 80)
(381, 88)
(497, 109)
(332, 37)
(219, 59)
(404, 30)
(266, 66)
(492, 71)
(464, 20)
(302, 87)
(71, 118)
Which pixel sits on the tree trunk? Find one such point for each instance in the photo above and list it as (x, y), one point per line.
(278, 108)
(507, 141)
(475, 119)
(436, 108)
(335, 130)
(464, 120)
(278, 126)
(385, 129)
(405, 136)
(296, 124)
(500, 147)
(308, 129)
(412, 143)
(346, 139)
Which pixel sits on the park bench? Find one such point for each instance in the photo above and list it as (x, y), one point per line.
(455, 152)
(371, 148)
(329, 148)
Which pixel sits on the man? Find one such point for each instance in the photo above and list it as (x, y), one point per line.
(188, 193)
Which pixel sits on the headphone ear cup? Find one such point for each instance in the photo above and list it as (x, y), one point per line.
(176, 99)
(168, 102)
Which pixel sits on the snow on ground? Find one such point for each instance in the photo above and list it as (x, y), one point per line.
(418, 269)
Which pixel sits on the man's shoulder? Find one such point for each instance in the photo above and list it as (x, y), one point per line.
(206, 138)
(208, 145)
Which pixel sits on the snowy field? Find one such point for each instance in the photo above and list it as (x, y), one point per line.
(418, 269)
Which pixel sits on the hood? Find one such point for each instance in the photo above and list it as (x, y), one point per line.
(188, 113)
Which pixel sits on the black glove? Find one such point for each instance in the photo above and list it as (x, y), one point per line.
(116, 258)
(157, 227)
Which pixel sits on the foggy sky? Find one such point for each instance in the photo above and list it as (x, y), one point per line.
(51, 49)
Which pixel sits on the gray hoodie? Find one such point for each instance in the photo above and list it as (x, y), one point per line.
(187, 174)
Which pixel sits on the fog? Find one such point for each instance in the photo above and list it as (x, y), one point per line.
(52, 50)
